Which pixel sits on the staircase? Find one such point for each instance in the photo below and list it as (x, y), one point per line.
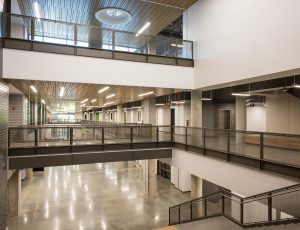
(281, 206)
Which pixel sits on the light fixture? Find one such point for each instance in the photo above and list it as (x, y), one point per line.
(173, 44)
(113, 16)
(37, 9)
(206, 99)
(143, 28)
(83, 105)
(85, 100)
(32, 87)
(295, 85)
(108, 103)
(241, 94)
(93, 100)
(47, 107)
(103, 89)
(181, 102)
(62, 91)
(110, 96)
(145, 94)
(159, 104)
(43, 101)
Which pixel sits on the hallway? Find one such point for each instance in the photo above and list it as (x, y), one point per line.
(95, 196)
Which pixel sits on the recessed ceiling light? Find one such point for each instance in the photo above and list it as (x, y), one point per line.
(85, 100)
(83, 105)
(93, 100)
(43, 101)
(33, 88)
(110, 96)
(113, 16)
(145, 94)
(143, 28)
(159, 104)
(62, 91)
(173, 44)
(206, 99)
(103, 89)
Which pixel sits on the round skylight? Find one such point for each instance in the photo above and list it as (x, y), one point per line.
(113, 16)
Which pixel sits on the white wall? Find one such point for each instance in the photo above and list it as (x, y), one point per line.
(237, 178)
(236, 40)
(283, 114)
(256, 118)
(69, 68)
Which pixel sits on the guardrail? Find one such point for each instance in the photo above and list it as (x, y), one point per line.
(273, 207)
(64, 33)
(266, 151)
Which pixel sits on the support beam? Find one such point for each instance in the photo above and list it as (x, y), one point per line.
(14, 194)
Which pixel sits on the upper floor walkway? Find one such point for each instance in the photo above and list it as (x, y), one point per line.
(51, 145)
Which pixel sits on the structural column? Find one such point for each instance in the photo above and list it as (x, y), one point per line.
(196, 187)
(150, 185)
(196, 108)
(120, 118)
(240, 117)
(14, 194)
(149, 111)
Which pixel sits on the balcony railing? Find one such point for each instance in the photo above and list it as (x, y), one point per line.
(266, 151)
(273, 207)
(76, 35)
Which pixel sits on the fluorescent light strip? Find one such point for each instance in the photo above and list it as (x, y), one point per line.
(173, 44)
(108, 103)
(143, 28)
(103, 89)
(83, 105)
(241, 94)
(159, 104)
(62, 91)
(43, 101)
(145, 94)
(206, 99)
(93, 100)
(85, 100)
(37, 9)
(33, 88)
(110, 96)
(296, 86)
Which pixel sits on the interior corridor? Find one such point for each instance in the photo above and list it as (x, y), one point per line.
(95, 196)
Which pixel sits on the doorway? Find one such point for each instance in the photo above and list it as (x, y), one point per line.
(164, 170)
(224, 119)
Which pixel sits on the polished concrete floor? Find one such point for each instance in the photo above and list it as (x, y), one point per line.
(95, 196)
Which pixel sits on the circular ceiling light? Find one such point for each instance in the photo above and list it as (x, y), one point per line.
(113, 16)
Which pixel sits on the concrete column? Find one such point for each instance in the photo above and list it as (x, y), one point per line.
(149, 178)
(120, 118)
(149, 111)
(240, 111)
(14, 194)
(196, 108)
(240, 118)
(28, 173)
(196, 187)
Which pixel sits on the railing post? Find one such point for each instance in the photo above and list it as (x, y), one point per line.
(7, 24)
(32, 26)
(261, 143)
(186, 137)
(191, 217)
(228, 145)
(8, 137)
(94, 135)
(242, 211)
(75, 35)
(113, 40)
(157, 133)
(71, 136)
(172, 133)
(223, 202)
(205, 207)
(179, 214)
(204, 140)
(131, 134)
(36, 137)
(269, 207)
(102, 135)
(169, 216)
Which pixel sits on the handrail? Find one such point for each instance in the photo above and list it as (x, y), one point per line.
(242, 201)
(89, 26)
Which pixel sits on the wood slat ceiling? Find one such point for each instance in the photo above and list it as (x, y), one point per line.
(49, 91)
(82, 12)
